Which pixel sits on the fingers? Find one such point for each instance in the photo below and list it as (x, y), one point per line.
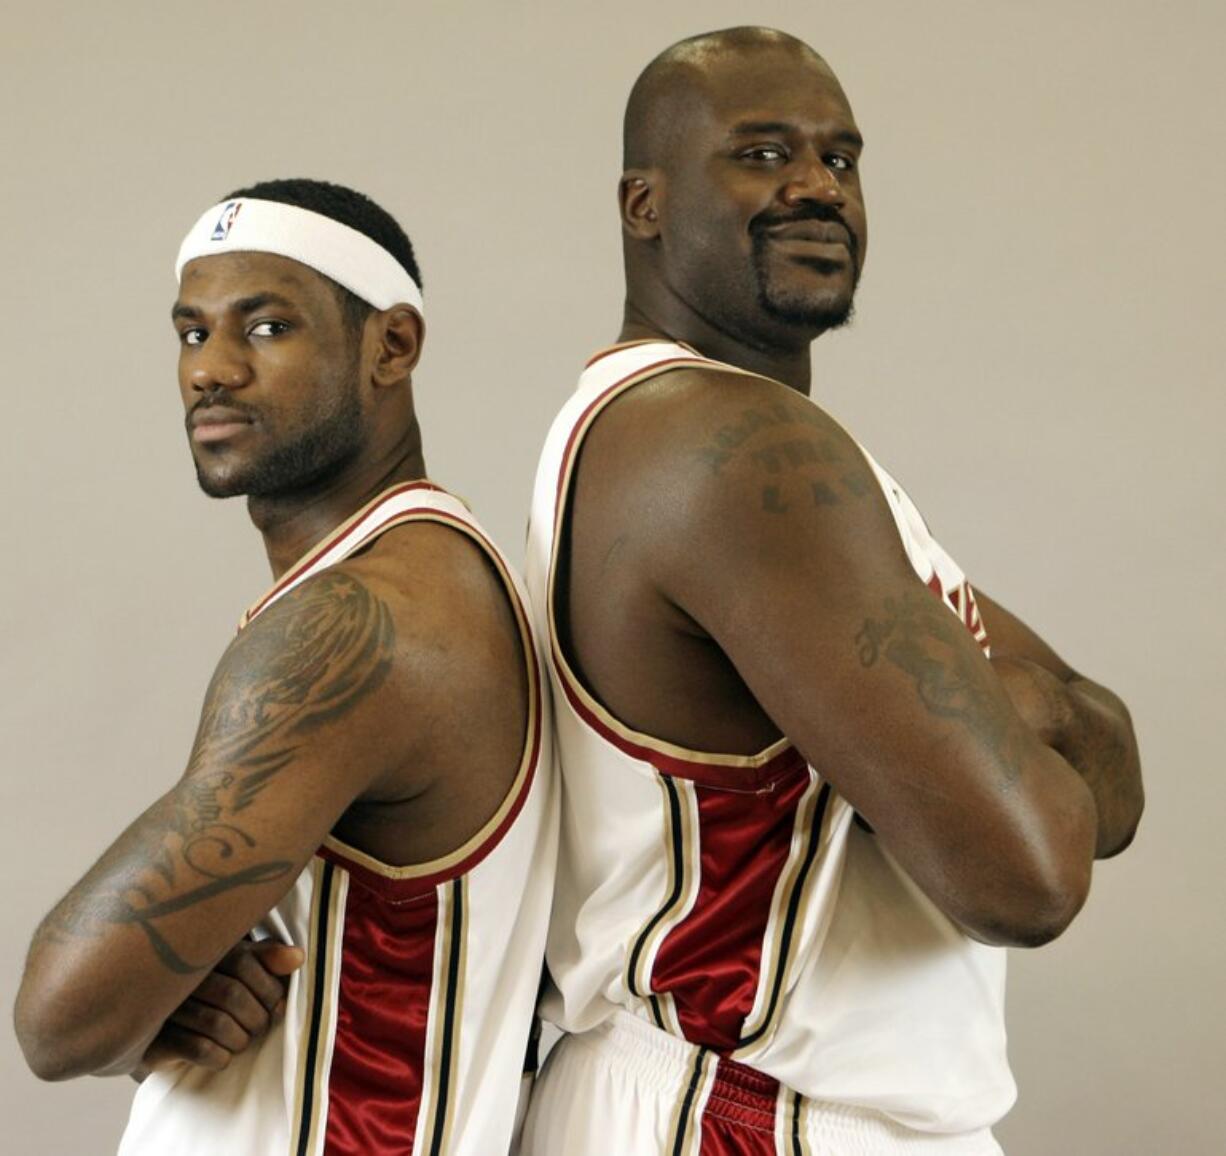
(235, 1001)
(245, 965)
(175, 1045)
(233, 1005)
(217, 1026)
(278, 958)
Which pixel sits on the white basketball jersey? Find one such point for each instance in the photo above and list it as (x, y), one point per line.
(732, 901)
(406, 1027)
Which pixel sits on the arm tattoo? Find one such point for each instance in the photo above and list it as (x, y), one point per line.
(802, 445)
(919, 636)
(308, 661)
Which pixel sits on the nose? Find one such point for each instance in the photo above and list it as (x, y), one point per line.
(811, 179)
(220, 363)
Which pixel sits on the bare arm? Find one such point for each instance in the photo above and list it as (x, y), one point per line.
(1088, 724)
(273, 766)
(780, 546)
(232, 1007)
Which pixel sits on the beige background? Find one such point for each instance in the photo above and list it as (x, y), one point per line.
(1037, 356)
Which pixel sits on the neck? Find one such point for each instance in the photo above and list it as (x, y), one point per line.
(783, 356)
(293, 523)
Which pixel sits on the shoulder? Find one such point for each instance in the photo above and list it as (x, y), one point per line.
(715, 423)
(423, 602)
(729, 450)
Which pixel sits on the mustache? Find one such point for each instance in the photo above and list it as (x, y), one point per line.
(209, 400)
(809, 211)
(215, 398)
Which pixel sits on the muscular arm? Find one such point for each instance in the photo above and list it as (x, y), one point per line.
(276, 760)
(1087, 723)
(779, 545)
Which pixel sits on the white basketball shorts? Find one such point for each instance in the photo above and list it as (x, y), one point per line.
(628, 1089)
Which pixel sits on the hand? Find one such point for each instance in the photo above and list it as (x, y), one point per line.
(1037, 695)
(235, 1004)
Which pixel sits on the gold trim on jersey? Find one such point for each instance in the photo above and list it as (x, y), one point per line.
(531, 737)
(788, 908)
(682, 854)
(436, 1114)
(685, 1127)
(791, 1135)
(318, 1030)
(574, 442)
(329, 540)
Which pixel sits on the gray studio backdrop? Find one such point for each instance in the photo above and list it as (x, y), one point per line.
(1037, 356)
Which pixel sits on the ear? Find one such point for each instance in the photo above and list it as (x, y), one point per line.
(638, 193)
(400, 332)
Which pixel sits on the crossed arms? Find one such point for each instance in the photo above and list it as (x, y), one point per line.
(993, 783)
(273, 766)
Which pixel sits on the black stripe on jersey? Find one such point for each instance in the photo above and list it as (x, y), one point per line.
(687, 1105)
(317, 1006)
(797, 1150)
(674, 821)
(449, 1010)
(789, 922)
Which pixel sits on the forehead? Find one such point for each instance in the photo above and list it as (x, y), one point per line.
(236, 275)
(774, 85)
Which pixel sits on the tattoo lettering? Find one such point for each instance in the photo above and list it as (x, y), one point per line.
(730, 439)
(772, 502)
(918, 635)
(309, 660)
(814, 451)
(782, 456)
(856, 484)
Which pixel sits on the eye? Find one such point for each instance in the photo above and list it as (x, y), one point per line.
(268, 329)
(840, 161)
(765, 154)
(193, 336)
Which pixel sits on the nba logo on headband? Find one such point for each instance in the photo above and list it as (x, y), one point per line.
(222, 229)
(347, 256)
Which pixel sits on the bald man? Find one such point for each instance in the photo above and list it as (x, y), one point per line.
(815, 782)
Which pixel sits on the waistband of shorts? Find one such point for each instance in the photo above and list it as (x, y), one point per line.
(743, 1096)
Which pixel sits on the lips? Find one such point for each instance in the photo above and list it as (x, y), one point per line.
(216, 423)
(814, 232)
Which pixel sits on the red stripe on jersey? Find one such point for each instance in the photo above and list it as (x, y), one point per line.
(710, 962)
(736, 777)
(378, 1058)
(739, 1117)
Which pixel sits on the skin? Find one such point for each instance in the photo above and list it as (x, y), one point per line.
(732, 572)
(345, 707)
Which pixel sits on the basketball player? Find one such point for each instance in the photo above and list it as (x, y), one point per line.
(369, 782)
(804, 809)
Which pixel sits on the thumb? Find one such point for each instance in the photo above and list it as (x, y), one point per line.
(279, 958)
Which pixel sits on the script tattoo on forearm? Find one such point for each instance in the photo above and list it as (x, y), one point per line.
(918, 634)
(803, 463)
(309, 660)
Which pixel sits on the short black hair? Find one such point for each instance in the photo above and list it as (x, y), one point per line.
(351, 208)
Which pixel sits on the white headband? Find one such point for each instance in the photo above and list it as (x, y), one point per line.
(350, 258)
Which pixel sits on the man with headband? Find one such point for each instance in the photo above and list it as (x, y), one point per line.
(800, 801)
(370, 781)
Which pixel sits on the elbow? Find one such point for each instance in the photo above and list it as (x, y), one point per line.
(48, 1054)
(1031, 922)
(1041, 924)
(1036, 902)
(59, 1045)
(50, 1063)
(1120, 839)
